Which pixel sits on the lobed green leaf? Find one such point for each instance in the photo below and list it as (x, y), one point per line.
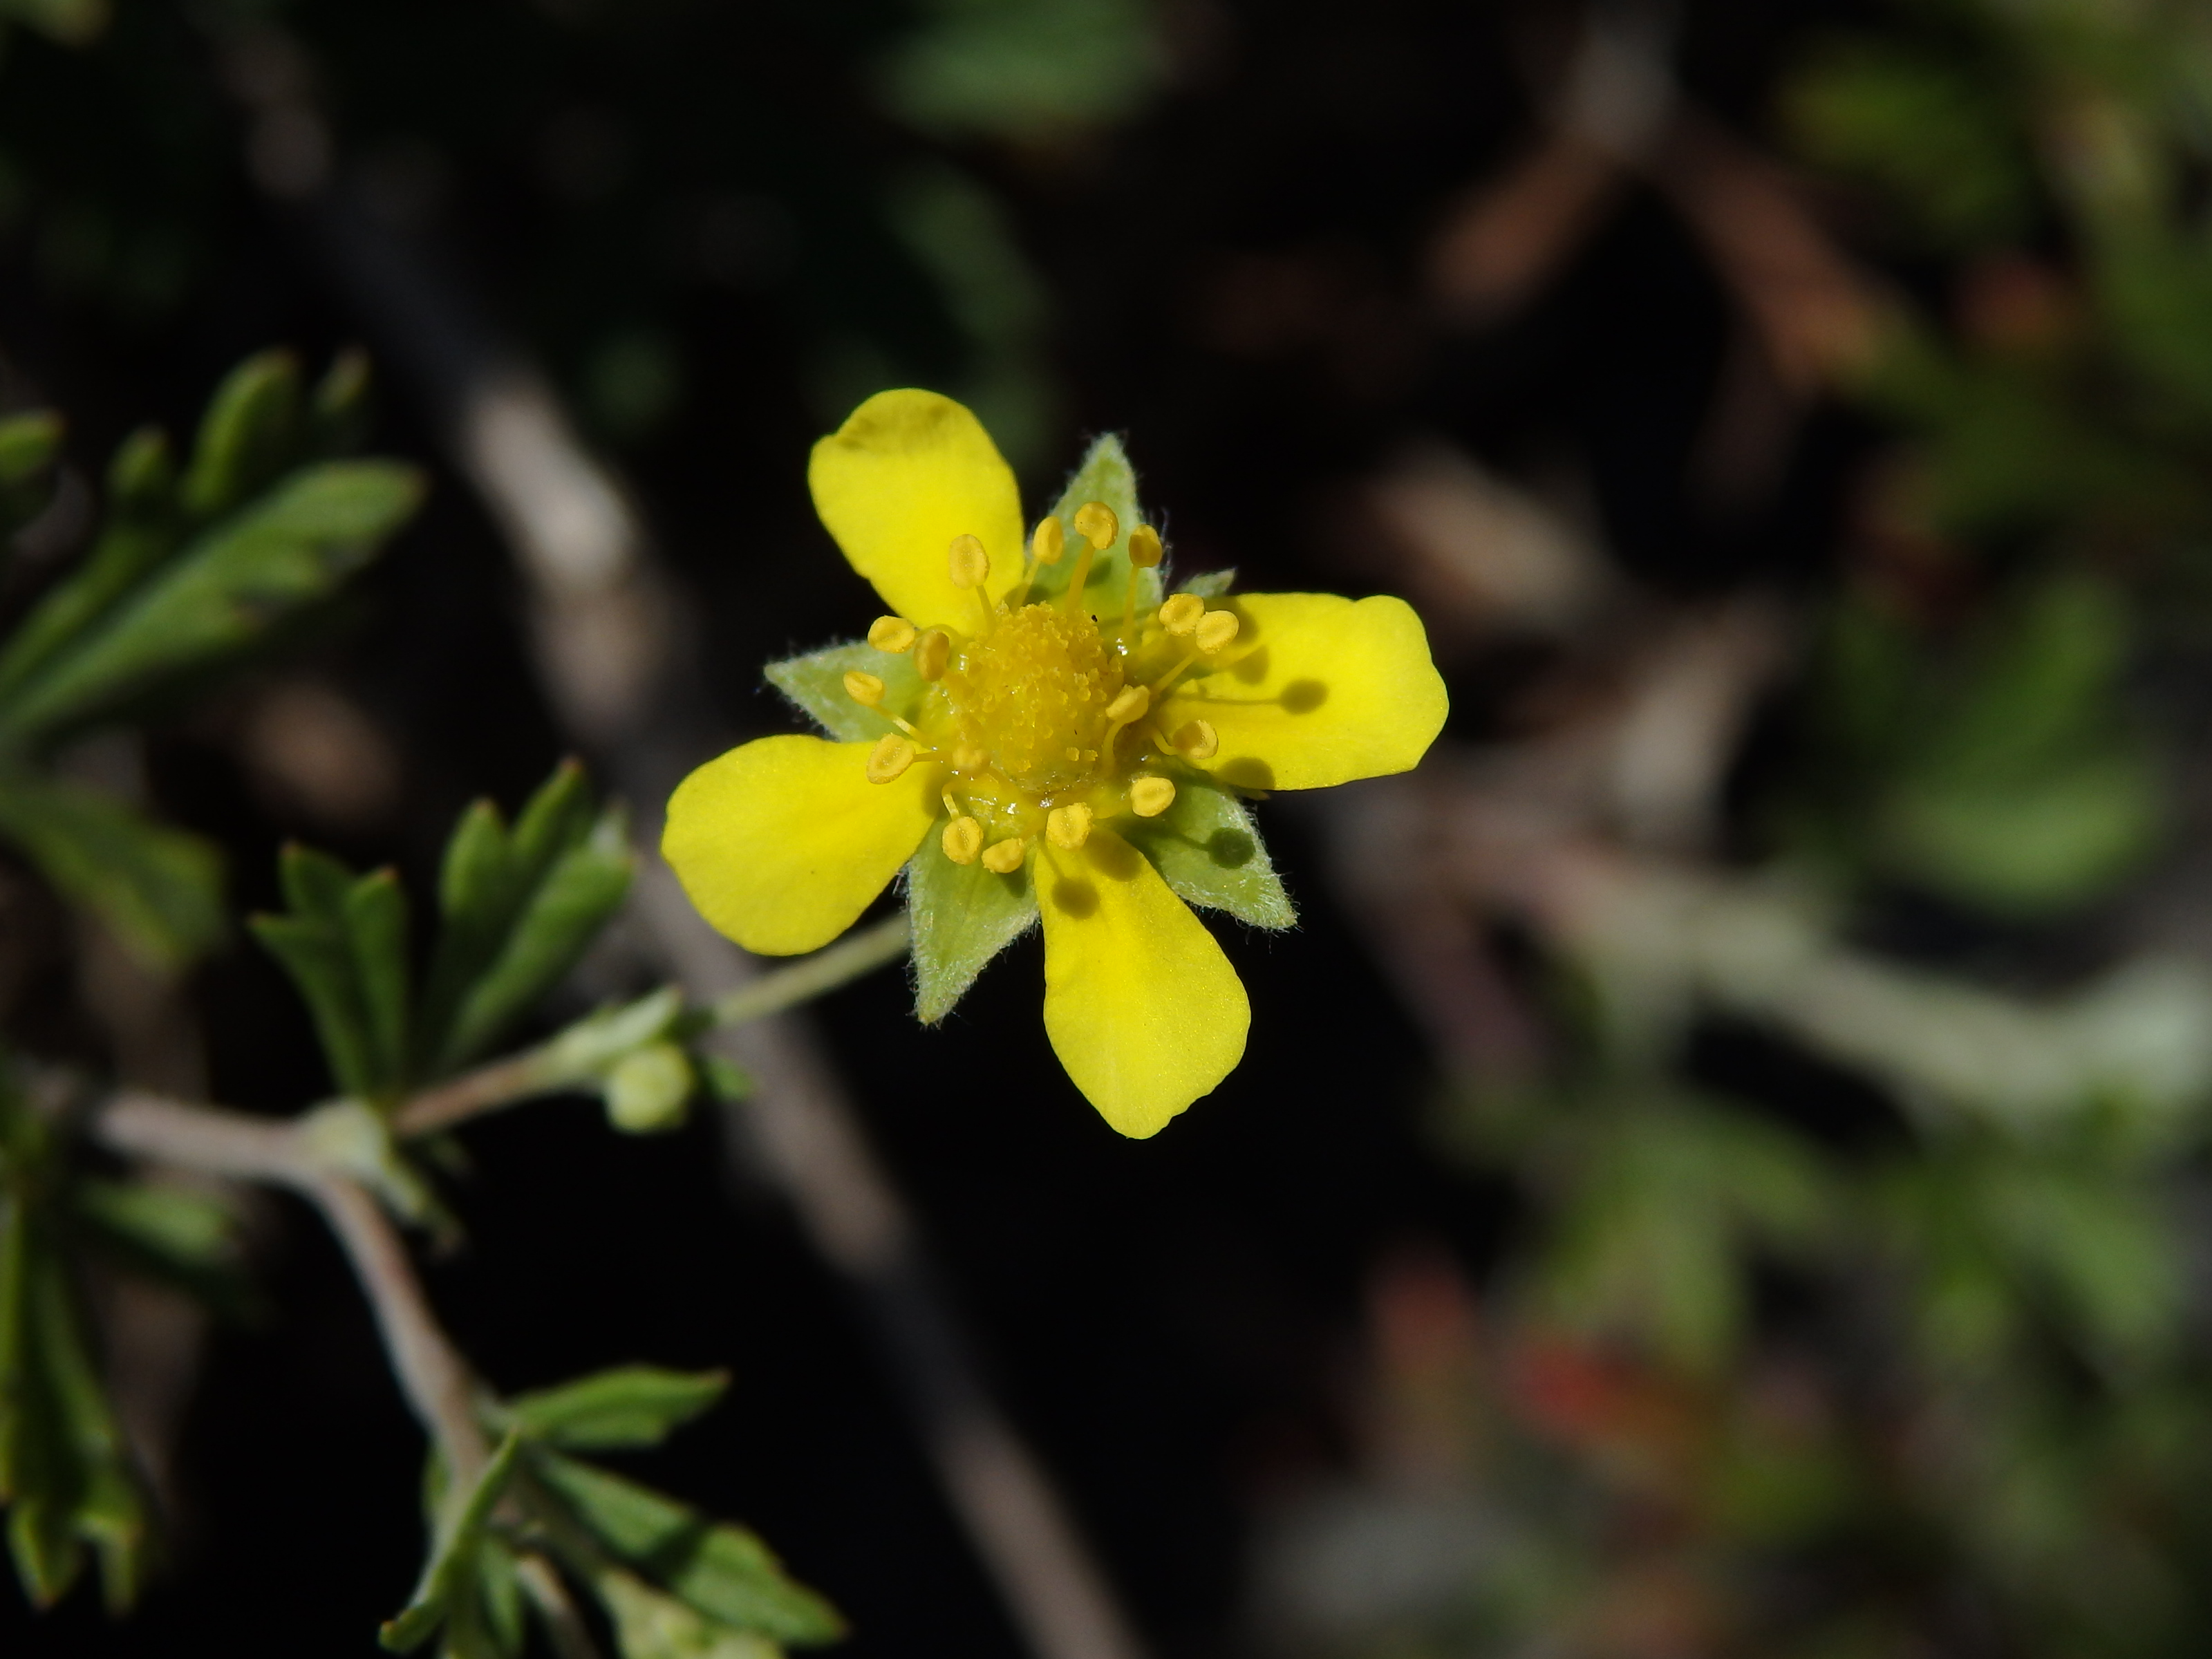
(247, 436)
(158, 890)
(447, 1581)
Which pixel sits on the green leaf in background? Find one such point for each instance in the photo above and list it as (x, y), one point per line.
(159, 890)
(64, 1473)
(171, 1233)
(223, 593)
(719, 1570)
(1662, 1201)
(448, 1591)
(628, 1406)
(1107, 477)
(30, 444)
(963, 916)
(1208, 850)
(1024, 68)
(1927, 132)
(338, 414)
(816, 682)
(250, 434)
(71, 22)
(344, 941)
(518, 911)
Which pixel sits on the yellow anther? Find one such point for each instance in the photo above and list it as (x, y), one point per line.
(932, 652)
(863, 688)
(1198, 739)
(891, 755)
(967, 758)
(962, 840)
(891, 634)
(1005, 858)
(1144, 547)
(968, 562)
(1150, 796)
(1128, 704)
(1182, 614)
(1049, 541)
(1068, 827)
(1096, 523)
(1215, 630)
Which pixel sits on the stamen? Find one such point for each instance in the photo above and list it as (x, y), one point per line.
(1215, 630)
(1068, 827)
(891, 634)
(1049, 541)
(863, 688)
(932, 653)
(969, 566)
(1096, 523)
(891, 755)
(962, 840)
(1006, 857)
(1144, 553)
(1198, 739)
(1181, 615)
(1128, 705)
(1150, 796)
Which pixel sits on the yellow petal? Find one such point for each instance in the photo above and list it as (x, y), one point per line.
(905, 474)
(1143, 1009)
(783, 843)
(1316, 690)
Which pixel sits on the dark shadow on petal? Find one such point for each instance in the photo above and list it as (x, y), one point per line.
(1076, 897)
(1304, 696)
(1245, 772)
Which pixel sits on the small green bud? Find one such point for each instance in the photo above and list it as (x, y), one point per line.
(647, 1090)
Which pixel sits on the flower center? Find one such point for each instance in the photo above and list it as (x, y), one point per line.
(1033, 695)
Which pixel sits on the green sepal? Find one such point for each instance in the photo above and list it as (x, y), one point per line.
(963, 916)
(517, 909)
(815, 683)
(1211, 585)
(627, 1405)
(1106, 477)
(223, 593)
(447, 1581)
(1208, 850)
(158, 890)
(249, 434)
(720, 1571)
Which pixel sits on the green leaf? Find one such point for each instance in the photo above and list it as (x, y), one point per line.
(160, 891)
(963, 916)
(224, 592)
(721, 1570)
(248, 435)
(140, 530)
(517, 911)
(627, 1405)
(173, 1233)
(449, 1577)
(1105, 476)
(564, 913)
(29, 446)
(338, 413)
(376, 932)
(815, 683)
(649, 1625)
(1208, 850)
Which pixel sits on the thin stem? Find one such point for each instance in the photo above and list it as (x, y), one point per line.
(486, 1089)
(432, 1373)
(825, 970)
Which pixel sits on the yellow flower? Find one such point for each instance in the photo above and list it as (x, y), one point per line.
(1036, 730)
